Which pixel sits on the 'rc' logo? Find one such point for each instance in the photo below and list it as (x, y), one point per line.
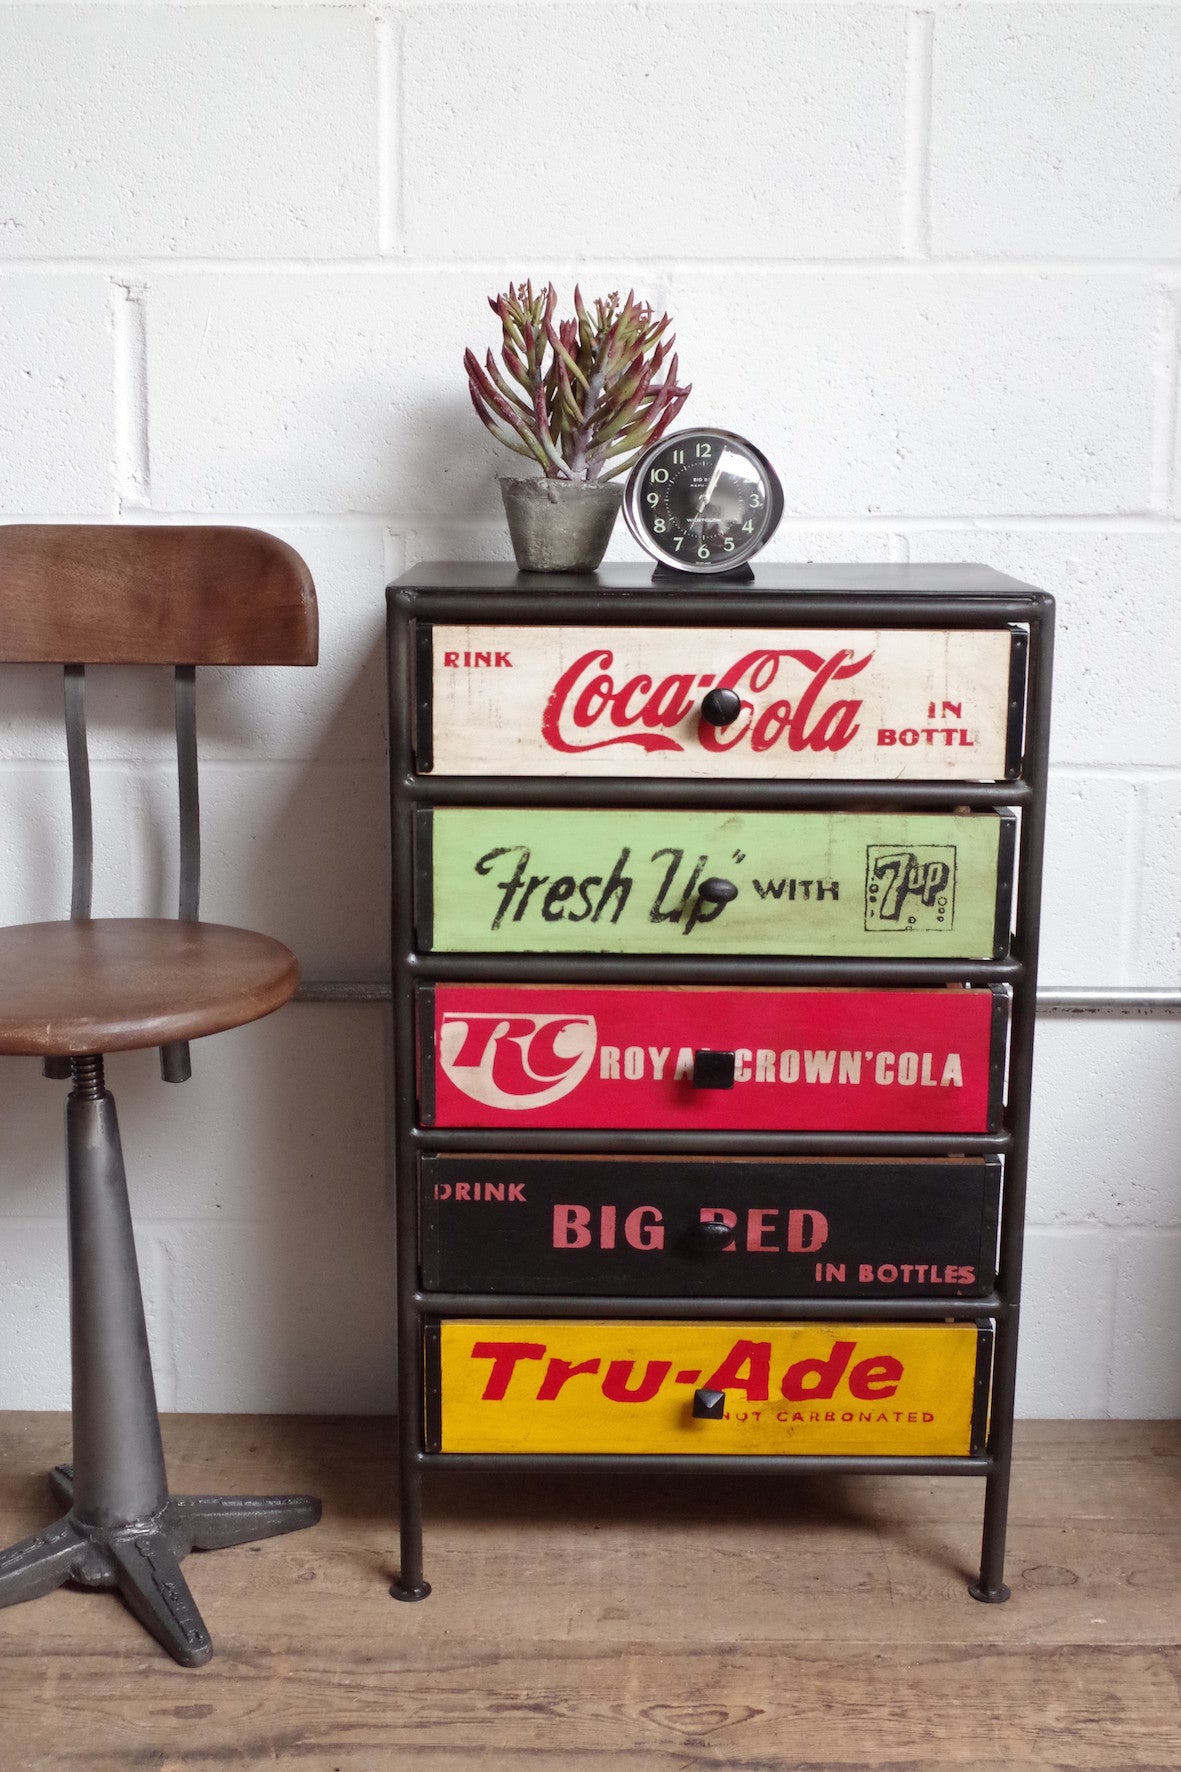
(516, 1061)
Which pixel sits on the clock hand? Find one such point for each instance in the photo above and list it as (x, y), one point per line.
(709, 491)
(697, 516)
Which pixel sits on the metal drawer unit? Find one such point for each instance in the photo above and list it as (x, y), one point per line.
(713, 1025)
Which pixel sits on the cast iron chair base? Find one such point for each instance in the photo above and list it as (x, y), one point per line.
(142, 1559)
(122, 1528)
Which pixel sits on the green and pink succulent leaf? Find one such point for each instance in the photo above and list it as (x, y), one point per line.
(581, 396)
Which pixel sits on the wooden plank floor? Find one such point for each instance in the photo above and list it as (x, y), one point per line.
(820, 1626)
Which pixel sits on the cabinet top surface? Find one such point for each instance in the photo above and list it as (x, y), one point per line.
(873, 579)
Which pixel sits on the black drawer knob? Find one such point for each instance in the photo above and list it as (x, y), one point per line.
(709, 1236)
(709, 1405)
(715, 891)
(721, 706)
(713, 1070)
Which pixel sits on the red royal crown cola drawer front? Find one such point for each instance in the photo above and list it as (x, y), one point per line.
(733, 1228)
(914, 704)
(533, 1056)
(851, 1389)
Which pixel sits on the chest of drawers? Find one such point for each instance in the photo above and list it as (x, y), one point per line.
(714, 923)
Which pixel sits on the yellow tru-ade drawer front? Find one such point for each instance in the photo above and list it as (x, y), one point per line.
(861, 1389)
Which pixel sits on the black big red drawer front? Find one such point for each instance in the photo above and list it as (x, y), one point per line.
(758, 1229)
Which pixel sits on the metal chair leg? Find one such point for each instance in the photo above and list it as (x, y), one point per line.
(122, 1528)
(39, 1564)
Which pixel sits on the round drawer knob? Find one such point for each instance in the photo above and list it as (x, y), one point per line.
(721, 706)
(716, 891)
(710, 1236)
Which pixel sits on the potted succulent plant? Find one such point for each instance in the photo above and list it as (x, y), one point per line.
(582, 398)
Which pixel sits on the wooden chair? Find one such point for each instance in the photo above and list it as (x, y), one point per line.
(73, 991)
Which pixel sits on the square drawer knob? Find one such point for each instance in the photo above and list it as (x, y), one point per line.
(713, 1070)
(709, 1405)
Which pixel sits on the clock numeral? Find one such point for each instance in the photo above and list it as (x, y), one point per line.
(678, 542)
(678, 458)
(703, 451)
(728, 544)
(652, 498)
(659, 476)
(755, 501)
(748, 527)
(659, 525)
(703, 552)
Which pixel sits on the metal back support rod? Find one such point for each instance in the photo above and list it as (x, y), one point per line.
(81, 817)
(176, 1065)
(175, 1060)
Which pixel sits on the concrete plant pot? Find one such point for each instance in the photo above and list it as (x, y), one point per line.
(559, 525)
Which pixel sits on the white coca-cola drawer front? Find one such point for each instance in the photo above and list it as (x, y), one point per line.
(839, 703)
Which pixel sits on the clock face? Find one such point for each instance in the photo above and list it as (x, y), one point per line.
(703, 501)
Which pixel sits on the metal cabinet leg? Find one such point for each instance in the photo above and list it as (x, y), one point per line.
(409, 1583)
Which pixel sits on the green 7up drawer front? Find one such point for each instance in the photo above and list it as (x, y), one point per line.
(891, 885)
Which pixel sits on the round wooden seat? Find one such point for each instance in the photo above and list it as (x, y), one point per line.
(119, 983)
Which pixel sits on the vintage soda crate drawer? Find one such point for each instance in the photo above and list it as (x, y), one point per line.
(506, 879)
(672, 702)
(763, 1227)
(862, 1389)
(525, 1056)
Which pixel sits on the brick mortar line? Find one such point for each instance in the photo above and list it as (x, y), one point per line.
(623, 6)
(1132, 885)
(154, 1245)
(390, 112)
(1165, 410)
(1130, 772)
(401, 524)
(916, 175)
(129, 340)
(123, 266)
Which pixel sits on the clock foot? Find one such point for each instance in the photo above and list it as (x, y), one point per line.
(741, 575)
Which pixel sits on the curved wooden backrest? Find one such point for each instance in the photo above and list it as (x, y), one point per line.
(134, 594)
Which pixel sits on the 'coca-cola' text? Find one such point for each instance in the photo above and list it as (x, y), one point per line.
(587, 710)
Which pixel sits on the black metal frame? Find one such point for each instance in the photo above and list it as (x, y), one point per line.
(919, 597)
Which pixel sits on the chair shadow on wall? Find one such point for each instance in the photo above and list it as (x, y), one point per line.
(255, 1186)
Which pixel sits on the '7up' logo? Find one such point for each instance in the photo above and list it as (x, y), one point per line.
(910, 888)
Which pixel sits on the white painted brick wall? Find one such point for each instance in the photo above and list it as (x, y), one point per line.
(56, 393)
(1055, 131)
(929, 256)
(721, 131)
(197, 132)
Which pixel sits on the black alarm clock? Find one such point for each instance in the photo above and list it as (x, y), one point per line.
(702, 502)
